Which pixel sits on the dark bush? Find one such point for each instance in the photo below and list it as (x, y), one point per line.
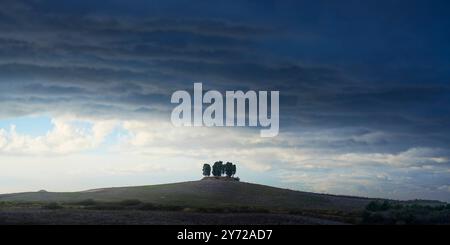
(130, 202)
(107, 206)
(87, 202)
(52, 205)
(415, 214)
(375, 206)
(171, 208)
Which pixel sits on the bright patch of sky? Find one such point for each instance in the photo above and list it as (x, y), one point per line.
(30, 125)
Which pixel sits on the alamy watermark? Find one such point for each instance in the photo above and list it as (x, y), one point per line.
(235, 107)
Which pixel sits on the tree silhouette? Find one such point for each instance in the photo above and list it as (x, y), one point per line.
(222, 168)
(217, 169)
(206, 169)
(228, 169)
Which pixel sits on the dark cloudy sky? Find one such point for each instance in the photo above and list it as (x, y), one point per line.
(85, 92)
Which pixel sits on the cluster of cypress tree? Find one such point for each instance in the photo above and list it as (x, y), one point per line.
(219, 168)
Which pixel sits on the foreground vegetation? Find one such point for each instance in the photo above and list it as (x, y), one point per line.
(395, 213)
(210, 193)
(376, 212)
(216, 197)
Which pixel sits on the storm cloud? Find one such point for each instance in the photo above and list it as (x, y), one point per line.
(364, 86)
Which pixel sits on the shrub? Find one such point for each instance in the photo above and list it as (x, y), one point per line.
(107, 206)
(52, 205)
(386, 213)
(375, 206)
(130, 202)
(87, 202)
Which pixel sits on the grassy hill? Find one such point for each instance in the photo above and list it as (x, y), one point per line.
(212, 201)
(205, 194)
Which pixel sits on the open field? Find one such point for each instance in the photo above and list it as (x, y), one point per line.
(210, 202)
(137, 217)
(204, 194)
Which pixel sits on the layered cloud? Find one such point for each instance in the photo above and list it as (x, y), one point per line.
(365, 108)
(66, 136)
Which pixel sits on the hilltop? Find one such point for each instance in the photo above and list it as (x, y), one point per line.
(212, 200)
(211, 193)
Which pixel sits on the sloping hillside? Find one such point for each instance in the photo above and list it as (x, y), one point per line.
(204, 193)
